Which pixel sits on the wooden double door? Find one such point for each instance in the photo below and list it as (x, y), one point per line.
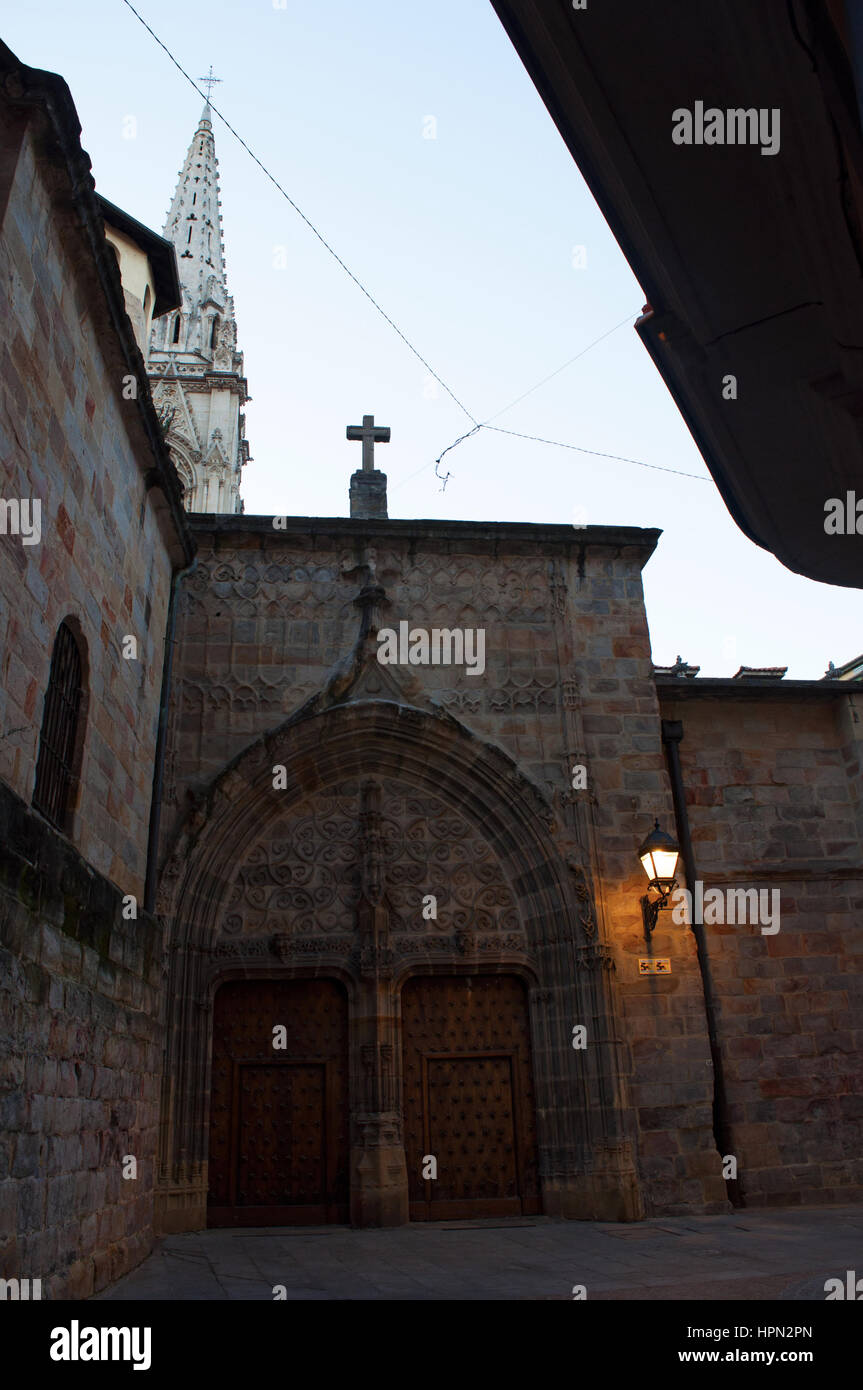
(279, 1115)
(468, 1097)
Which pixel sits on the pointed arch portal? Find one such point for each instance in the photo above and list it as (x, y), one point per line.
(311, 859)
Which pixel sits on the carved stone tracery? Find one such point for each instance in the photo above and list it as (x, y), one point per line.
(308, 874)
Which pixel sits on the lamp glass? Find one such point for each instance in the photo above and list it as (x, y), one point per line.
(659, 854)
(660, 864)
(664, 863)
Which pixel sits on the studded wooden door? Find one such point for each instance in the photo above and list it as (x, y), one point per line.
(468, 1097)
(279, 1116)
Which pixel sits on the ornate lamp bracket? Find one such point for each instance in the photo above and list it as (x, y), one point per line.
(651, 907)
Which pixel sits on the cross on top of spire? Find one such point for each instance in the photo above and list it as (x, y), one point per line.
(209, 81)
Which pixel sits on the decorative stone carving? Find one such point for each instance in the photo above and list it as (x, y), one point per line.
(440, 945)
(557, 585)
(536, 695)
(227, 696)
(596, 956)
(520, 590)
(375, 962)
(282, 945)
(586, 913)
(379, 1085)
(293, 589)
(245, 946)
(315, 863)
(224, 353)
(371, 844)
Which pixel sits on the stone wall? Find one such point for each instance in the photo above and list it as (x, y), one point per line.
(79, 1071)
(71, 443)
(269, 622)
(264, 618)
(772, 787)
(79, 982)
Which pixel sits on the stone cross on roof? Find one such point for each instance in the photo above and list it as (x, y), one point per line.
(370, 434)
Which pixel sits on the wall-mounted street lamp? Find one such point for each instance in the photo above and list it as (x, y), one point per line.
(659, 854)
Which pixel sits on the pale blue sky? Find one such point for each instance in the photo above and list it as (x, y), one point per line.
(466, 240)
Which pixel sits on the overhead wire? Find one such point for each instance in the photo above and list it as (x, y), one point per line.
(298, 210)
(557, 371)
(477, 425)
(598, 453)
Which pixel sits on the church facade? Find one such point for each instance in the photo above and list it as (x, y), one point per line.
(421, 850)
(335, 912)
(411, 849)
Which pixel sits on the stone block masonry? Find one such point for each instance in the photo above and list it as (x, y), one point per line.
(79, 1073)
(80, 1045)
(268, 620)
(71, 441)
(270, 668)
(773, 799)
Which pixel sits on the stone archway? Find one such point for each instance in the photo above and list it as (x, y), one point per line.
(534, 923)
(185, 458)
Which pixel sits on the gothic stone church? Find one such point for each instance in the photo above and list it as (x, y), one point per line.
(292, 935)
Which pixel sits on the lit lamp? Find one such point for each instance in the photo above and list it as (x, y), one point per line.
(659, 854)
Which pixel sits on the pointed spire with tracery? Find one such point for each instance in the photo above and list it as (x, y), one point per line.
(193, 353)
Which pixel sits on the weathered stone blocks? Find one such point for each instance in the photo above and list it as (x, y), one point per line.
(76, 1083)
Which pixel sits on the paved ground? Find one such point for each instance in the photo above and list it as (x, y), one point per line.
(750, 1255)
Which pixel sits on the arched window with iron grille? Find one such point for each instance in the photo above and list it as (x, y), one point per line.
(59, 741)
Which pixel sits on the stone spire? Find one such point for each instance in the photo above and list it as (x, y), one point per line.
(197, 374)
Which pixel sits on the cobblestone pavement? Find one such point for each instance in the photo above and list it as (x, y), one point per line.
(784, 1253)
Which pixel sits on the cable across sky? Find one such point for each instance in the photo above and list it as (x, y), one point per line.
(477, 425)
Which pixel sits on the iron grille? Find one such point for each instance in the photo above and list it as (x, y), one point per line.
(54, 770)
